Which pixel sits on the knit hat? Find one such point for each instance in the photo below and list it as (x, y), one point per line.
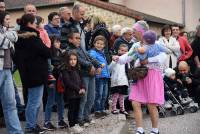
(141, 26)
(169, 72)
(150, 36)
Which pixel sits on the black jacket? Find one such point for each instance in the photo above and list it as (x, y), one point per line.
(65, 30)
(195, 80)
(120, 41)
(72, 82)
(30, 57)
(85, 60)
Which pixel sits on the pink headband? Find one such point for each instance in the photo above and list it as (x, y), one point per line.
(138, 28)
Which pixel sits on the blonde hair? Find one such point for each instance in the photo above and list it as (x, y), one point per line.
(95, 20)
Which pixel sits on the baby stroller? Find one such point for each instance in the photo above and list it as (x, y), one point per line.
(178, 108)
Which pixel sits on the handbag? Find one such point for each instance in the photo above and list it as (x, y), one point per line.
(137, 73)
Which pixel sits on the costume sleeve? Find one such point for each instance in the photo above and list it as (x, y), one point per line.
(161, 58)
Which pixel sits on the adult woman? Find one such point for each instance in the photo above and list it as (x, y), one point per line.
(99, 28)
(7, 93)
(172, 46)
(31, 60)
(149, 90)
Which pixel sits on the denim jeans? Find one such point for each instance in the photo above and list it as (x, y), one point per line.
(49, 66)
(7, 96)
(54, 96)
(33, 105)
(101, 94)
(87, 101)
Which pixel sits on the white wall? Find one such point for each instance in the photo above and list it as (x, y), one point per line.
(192, 14)
(166, 9)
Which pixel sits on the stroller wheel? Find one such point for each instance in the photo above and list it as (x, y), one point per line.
(193, 109)
(173, 113)
(162, 114)
(180, 111)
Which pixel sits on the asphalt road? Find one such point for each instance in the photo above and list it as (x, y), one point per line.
(188, 123)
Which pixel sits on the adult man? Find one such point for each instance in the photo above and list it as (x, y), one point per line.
(30, 9)
(186, 50)
(78, 13)
(65, 14)
(125, 38)
(2, 5)
(190, 81)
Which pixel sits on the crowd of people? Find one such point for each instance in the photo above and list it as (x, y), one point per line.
(75, 62)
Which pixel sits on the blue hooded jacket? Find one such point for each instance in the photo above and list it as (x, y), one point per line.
(100, 57)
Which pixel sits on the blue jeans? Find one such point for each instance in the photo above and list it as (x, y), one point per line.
(7, 96)
(49, 66)
(87, 100)
(101, 94)
(54, 96)
(33, 105)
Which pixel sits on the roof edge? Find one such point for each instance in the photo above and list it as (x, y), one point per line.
(120, 9)
(42, 6)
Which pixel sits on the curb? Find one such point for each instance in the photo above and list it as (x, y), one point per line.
(121, 127)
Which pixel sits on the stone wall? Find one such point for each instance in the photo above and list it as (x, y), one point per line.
(109, 17)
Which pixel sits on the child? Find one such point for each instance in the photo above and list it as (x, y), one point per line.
(74, 89)
(101, 79)
(119, 82)
(171, 84)
(43, 33)
(150, 47)
(53, 94)
(89, 67)
(45, 38)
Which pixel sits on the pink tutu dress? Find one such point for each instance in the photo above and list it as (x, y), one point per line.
(149, 90)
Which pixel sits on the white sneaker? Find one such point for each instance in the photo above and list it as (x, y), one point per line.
(86, 124)
(168, 104)
(92, 122)
(76, 129)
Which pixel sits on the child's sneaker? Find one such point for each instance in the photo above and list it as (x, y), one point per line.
(98, 114)
(89, 121)
(62, 124)
(76, 129)
(104, 113)
(168, 104)
(49, 126)
(115, 112)
(123, 112)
